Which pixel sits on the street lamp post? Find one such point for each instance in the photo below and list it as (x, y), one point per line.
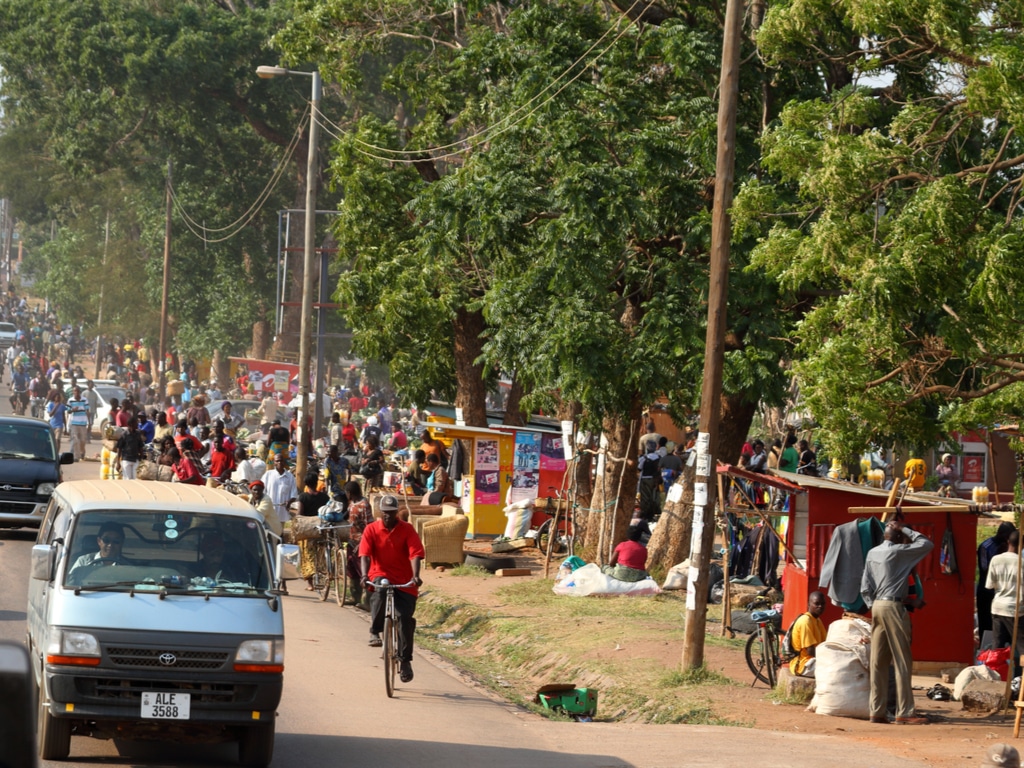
(308, 265)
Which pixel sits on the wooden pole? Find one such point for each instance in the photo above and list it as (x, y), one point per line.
(714, 343)
(158, 369)
(99, 314)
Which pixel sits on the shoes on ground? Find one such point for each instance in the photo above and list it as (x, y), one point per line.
(375, 641)
(405, 673)
(882, 719)
(914, 720)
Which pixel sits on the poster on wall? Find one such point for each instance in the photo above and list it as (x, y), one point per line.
(488, 490)
(486, 473)
(974, 468)
(552, 455)
(526, 466)
(280, 380)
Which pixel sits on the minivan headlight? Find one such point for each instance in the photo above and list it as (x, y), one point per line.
(260, 656)
(73, 648)
(45, 489)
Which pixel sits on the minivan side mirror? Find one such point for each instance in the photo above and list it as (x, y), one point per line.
(67, 458)
(42, 561)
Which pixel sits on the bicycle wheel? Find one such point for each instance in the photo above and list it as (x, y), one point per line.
(756, 659)
(341, 574)
(390, 655)
(322, 577)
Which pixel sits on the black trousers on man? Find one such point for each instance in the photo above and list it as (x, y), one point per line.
(405, 607)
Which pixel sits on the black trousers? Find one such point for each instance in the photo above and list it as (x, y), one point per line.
(405, 607)
(1002, 631)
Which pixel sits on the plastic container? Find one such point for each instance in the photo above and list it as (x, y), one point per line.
(979, 494)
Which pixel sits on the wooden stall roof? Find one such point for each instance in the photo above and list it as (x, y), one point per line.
(778, 483)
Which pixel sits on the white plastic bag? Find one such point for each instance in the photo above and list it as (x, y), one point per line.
(842, 672)
(589, 580)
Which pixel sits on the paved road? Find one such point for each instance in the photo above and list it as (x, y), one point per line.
(335, 710)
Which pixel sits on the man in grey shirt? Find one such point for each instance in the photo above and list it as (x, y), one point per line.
(884, 588)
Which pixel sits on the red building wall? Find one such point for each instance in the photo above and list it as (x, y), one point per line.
(943, 630)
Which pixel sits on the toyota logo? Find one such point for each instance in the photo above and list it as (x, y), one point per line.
(7, 487)
(168, 659)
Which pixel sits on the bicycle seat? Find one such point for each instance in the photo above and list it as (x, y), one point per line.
(759, 616)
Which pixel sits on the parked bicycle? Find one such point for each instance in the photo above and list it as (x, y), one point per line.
(562, 538)
(392, 661)
(762, 650)
(330, 560)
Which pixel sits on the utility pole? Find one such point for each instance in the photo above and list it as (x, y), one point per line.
(159, 368)
(714, 344)
(99, 316)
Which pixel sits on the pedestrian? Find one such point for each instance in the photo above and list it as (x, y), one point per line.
(987, 552)
(78, 422)
(93, 399)
(1001, 582)
(280, 486)
(130, 448)
(55, 414)
(650, 482)
(884, 589)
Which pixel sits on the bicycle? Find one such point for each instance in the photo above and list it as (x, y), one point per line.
(762, 649)
(392, 661)
(564, 539)
(330, 561)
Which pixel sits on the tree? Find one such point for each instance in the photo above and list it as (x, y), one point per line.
(104, 87)
(892, 213)
(576, 226)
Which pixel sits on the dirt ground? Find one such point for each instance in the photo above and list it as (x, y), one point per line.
(955, 738)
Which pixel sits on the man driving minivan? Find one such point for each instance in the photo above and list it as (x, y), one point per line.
(110, 540)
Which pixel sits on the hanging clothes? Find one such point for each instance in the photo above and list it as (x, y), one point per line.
(843, 567)
(456, 461)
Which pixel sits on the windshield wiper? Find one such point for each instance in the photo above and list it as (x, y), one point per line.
(80, 588)
(228, 590)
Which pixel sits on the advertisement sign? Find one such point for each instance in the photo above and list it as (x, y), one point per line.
(526, 466)
(973, 468)
(552, 455)
(486, 474)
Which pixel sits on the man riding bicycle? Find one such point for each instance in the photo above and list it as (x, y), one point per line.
(19, 386)
(391, 549)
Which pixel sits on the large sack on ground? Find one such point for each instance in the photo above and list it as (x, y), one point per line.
(979, 672)
(842, 672)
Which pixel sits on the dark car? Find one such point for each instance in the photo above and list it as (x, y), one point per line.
(29, 470)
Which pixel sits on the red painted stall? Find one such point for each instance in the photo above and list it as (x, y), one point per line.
(943, 631)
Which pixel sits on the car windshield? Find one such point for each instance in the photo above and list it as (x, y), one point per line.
(26, 441)
(191, 553)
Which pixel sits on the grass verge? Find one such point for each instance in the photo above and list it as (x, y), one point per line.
(617, 646)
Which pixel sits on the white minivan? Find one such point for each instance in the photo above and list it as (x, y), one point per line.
(154, 612)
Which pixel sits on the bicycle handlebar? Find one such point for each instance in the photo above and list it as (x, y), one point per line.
(385, 584)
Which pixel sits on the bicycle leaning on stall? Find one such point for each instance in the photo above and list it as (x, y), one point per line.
(762, 650)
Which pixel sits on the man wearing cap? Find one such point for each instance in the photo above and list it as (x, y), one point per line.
(884, 589)
(264, 506)
(391, 549)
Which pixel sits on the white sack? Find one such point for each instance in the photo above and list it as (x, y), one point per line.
(842, 671)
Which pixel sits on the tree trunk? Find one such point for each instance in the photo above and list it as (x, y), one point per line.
(221, 370)
(471, 395)
(513, 414)
(260, 340)
(670, 543)
(614, 496)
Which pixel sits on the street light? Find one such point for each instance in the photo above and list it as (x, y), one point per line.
(305, 331)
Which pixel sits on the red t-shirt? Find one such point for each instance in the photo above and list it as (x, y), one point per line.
(390, 552)
(632, 554)
(348, 433)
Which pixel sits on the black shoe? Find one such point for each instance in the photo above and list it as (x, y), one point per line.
(405, 674)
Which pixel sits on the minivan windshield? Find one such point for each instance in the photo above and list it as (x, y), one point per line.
(26, 441)
(192, 553)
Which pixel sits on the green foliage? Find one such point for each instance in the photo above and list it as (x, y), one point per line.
(896, 208)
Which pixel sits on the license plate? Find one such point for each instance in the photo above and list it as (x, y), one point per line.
(165, 706)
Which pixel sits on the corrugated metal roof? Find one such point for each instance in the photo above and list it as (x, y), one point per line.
(808, 481)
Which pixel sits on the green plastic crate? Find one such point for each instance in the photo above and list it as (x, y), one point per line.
(576, 701)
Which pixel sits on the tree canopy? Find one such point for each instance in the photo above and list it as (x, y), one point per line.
(891, 210)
